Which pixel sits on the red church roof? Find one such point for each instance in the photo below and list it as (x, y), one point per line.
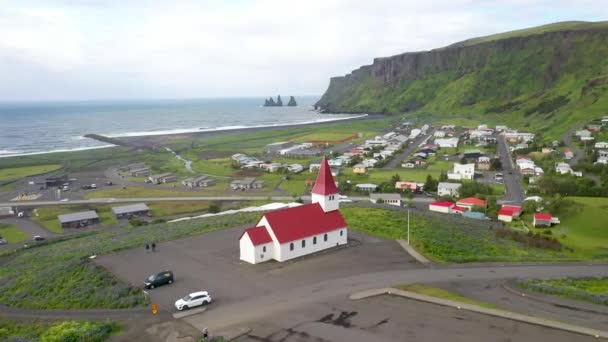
(303, 221)
(325, 184)
(258, 235)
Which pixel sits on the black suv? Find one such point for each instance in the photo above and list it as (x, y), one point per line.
(158, 279)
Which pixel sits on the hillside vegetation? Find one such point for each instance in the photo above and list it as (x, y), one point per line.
(544, 79)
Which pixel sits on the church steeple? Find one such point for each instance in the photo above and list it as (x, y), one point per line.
(325, 191)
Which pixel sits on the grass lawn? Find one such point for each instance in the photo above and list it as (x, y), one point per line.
(324, 136)
(160, 209)
(59, 275)
(584, 227)
(444, 294)
(296, 185)
(440, 165)
(590, 289)
(117, 192)
(20, 172)
(12, 233)
(214, 167)
(446, 239)
(57, 331)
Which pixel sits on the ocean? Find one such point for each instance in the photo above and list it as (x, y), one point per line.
(40, 127)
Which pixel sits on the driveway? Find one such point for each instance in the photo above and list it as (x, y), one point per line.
(28, 226)
(211, 262)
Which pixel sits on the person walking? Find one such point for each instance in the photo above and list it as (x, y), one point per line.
(205, 334)
(147, 248)
(153, 246)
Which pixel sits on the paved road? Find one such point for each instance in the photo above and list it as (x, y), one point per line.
(28, 226)
(514, 192)
(413, 146)
(221, 317)
(25, 204)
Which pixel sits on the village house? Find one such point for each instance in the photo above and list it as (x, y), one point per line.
(277, 146)
(200, 181)
(162, 178)
(568, 153)
(439, 134)
(247, 184)
(470, 202)
(601, 160)
(542, 220)
(78, 220)
(314, 167)
(601, 144)
(295, 168)
(594, 128)
(447, 142)
(271, 167)
(508, 213)
(448, 189)
(131, 167)
(585, 139)
(414, 133)
(368, 187)
(442, 207)
(360, 169)
(462, 171)
(547, 150)
(563, 168)
(500, 128)
(484, 163)
(410, 164)
(582, 133)
(413, 186)
(391, 199)
(298, 231)
(369, 162)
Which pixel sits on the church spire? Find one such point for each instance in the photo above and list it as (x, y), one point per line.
(325, 184)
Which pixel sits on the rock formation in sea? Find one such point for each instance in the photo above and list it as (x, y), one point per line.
(292, 102)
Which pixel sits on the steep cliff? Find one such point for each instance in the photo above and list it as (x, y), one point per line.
(535, 75)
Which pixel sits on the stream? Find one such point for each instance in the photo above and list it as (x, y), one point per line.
(187, 163)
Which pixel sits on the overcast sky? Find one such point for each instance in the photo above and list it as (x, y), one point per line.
(77, 49)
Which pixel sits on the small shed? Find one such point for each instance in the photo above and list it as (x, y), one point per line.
(392, 199)
(128, 211)
(78, 220)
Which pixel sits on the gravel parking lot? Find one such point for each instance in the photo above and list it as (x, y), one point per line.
(211, 262)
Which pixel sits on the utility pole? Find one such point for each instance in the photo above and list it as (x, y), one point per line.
(408, 226)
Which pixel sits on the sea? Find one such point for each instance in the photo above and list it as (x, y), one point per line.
(42, 127)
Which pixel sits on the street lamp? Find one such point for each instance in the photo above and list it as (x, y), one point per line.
(408, 226)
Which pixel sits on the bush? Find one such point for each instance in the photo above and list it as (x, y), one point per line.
(534, 240)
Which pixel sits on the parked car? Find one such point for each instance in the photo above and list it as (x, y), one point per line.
(3, 242)
(85, 187)
(93, 186)
(21, 214)
(159, 279)
(108, 183)
(38, 238)
(192, 300)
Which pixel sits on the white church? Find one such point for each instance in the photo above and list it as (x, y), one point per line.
(290, 233)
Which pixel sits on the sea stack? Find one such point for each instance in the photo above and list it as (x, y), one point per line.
(292, 102)
(279, 101)
(271, 103)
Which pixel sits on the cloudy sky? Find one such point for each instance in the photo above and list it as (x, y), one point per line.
(78, 49)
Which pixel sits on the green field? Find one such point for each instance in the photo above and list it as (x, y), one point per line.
(584, 227)
(443, 294)
(591, 289)
(57, 331)
(47, 216)
(324, 136)
(59, 275)
(25, 171)
(448, 239)
(11, 233)
(143, 192)
(378, 176)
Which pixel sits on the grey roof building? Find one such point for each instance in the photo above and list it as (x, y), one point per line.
(130, 210)
(76, 220)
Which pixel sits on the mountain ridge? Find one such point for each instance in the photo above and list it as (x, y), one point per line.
(532, 77)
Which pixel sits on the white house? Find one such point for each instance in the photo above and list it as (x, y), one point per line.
(294, 232)
(448, 189)
(392, 199)
(462, 171)
(583, 133)
(439, 134)
(295, 168)
(601, 144)
(447, 142)
(414, 133)
(442, 207)
(366, 187)
(563, 168)
(369, 162)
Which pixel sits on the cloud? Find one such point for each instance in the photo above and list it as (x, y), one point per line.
(104, 49)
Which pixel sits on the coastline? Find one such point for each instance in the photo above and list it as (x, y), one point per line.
(150, 140)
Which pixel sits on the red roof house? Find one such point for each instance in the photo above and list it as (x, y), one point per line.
(542, 220)
(297, 231)
(441, 207)
(470, 202)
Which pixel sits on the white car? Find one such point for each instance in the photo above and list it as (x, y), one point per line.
(192, 300)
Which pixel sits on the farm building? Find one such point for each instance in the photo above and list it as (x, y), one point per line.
(542, 220)
(470, 202)
(162, 178)
(141, 172)
(392, 199)
(78, 220)
(298, 231)
(201, 181)
(247, 183)
(128, 211)
(131, 167)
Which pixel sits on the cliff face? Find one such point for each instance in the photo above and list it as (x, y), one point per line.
(515, 75)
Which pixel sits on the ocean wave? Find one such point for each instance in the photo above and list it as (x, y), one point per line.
(11, 153)
(228, 128)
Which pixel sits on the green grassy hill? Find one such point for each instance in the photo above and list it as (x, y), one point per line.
(544, 79)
